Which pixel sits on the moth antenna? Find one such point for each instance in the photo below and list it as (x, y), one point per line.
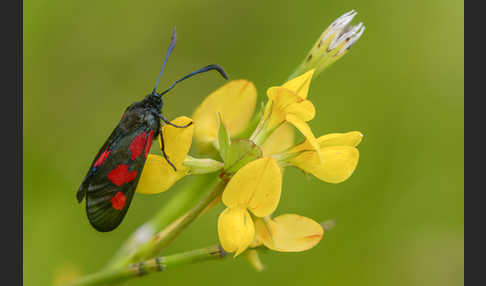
(173, 41)
(201, 70)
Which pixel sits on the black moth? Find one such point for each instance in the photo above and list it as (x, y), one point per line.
(115, 171)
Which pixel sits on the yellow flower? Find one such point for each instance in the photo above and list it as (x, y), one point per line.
(337, 158)
(288, 233)
(253, 193)
(157, 175)
(288, 103)
(254, 188)
(234, 101)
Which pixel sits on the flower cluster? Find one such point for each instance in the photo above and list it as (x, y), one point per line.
(250, 151)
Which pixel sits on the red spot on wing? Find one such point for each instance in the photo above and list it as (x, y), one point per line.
(137, 145)
(102, 158)
(118, 201)
(121, 175)
(131, 176)
(149, 143)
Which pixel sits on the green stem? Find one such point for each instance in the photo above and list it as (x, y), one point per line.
(125, 272)
(151, 246)
(182, 201)
(158, 264)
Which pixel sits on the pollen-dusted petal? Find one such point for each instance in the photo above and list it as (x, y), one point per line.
(235, 101)
(289, 233)
(304, 128)
(336, 163)
(235, 229)
(300, 84)
(158, 175)
(177, 140)
(256, 186)
(281, 139)
(352, 139)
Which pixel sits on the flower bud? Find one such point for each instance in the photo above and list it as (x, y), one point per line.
(333, 43)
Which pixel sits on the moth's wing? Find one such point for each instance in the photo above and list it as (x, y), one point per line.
(110, 186)
(100, 203)
(115, 135)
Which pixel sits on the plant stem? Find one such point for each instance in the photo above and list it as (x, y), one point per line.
(125, 272)
(158, 264)
(156, 234)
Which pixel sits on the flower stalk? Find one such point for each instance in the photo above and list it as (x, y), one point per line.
(160, 264)
(123, 273)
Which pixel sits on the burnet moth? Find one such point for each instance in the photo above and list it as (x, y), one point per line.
(116, 169)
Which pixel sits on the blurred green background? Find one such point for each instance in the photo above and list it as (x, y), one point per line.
(400, 217)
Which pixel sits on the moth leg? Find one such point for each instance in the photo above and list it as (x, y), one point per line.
(172, 124)
(163, 151)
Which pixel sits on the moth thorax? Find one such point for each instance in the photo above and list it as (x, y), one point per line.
(154, 101)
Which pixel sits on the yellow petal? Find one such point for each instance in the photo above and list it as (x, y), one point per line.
(158, 176)
(300, 84)
(305, 110)
(235, 230)
(257, 241)
(235, 101)
(289, 233)
(256, 186)
(279, 99)
(352, 139)
(304, 146)
(304, 128)
(285, 102)
(281, 139)
(335, 165)
(263, 232)
(177, 140)
(283, 97)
